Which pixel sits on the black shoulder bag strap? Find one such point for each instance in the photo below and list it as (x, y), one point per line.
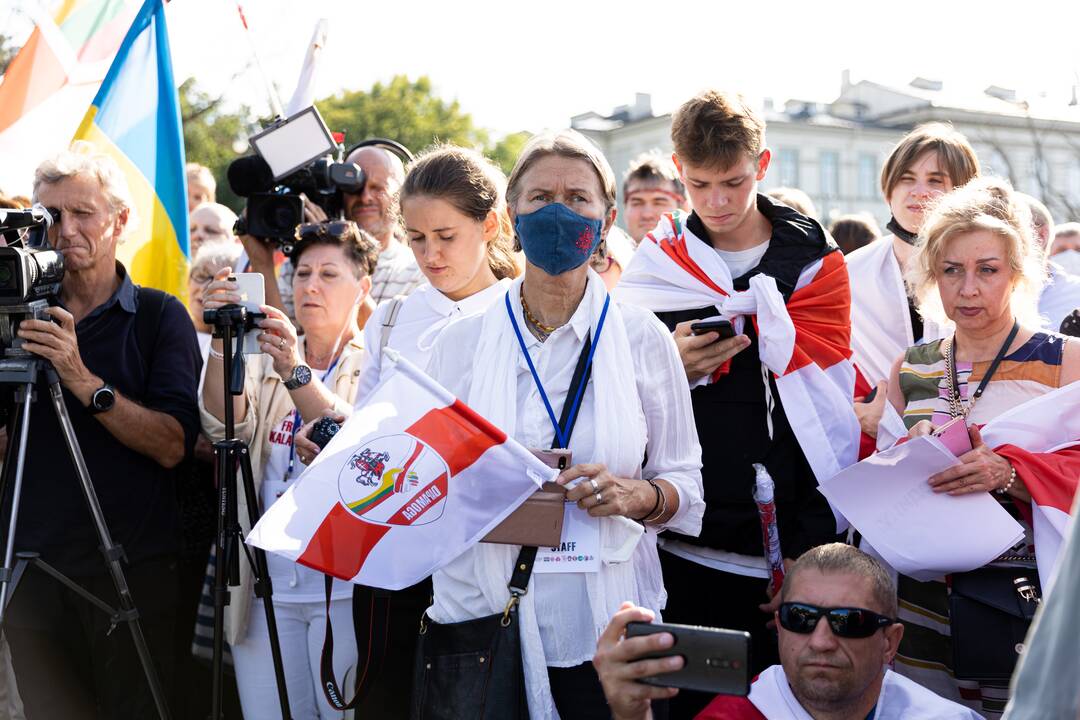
(379, 636)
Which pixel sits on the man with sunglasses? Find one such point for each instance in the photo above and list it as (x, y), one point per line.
(837, 635)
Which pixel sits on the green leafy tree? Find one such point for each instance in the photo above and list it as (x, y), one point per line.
(8, 50)
(401, 110)
(212, 134)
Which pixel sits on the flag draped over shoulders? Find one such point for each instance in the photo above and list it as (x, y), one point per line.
(803, 341)
(135, 119)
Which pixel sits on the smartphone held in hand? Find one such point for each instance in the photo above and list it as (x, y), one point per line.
(252, 296)
(715, 660)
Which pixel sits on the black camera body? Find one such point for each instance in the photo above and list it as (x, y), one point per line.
(293, 156)
(323, 431)
(275, 208)
(29, 269)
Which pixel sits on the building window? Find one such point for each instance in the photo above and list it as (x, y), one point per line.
(868, 176)
(830, 173)
(789, 167)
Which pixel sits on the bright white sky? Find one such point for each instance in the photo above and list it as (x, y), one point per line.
(517, 66)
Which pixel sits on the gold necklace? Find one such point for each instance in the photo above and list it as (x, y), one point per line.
(546, 329)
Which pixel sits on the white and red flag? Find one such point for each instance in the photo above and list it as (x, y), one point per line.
(413, 479)
(805, 343)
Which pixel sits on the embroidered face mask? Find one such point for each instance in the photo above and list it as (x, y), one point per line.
(556, 239)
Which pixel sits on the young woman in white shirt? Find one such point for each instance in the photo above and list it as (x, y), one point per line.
(453, 209)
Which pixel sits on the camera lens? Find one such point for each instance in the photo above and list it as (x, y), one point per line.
(7, 277)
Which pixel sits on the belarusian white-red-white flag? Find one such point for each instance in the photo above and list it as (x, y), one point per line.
(413, 479)
(805, 342)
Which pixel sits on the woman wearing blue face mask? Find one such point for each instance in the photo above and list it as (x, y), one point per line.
(557, 364)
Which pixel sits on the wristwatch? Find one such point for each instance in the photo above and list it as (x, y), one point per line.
(301, 376)
(103, 399)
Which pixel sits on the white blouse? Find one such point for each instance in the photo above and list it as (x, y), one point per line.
(423, 315)
(565, 610)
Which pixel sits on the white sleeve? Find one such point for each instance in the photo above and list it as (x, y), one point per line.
(673, 450)
(371, 370)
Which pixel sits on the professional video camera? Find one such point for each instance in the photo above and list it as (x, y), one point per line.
(293, 156)
(30, 274)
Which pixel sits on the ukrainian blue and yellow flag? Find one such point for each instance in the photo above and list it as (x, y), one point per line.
(135, 118)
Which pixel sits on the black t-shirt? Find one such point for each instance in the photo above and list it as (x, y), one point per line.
(137, 495)
(731, 416)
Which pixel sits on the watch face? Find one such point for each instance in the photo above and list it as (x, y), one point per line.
(103, 399)
(302, 375)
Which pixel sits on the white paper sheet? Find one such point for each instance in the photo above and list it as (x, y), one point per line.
(920, 533)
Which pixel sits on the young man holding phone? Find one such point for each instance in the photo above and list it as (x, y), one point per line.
(838, 633)
(776, 391)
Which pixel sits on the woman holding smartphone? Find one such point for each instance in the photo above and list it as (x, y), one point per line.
(295, 380)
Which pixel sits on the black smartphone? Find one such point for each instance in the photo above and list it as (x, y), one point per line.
(870, 396)
(716, 661)
(724, 327)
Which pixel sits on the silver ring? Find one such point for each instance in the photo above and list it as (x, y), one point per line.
(599, 499)
(595, 487)
(281, 343)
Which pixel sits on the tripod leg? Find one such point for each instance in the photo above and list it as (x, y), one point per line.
(263, 588)
(113, 553)
(225, 459)
(22, 429)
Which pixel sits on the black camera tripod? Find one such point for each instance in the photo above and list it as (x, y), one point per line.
(230, 323)
(22, 371)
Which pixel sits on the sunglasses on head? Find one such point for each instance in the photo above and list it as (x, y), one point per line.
(332, 229)
(844, 622)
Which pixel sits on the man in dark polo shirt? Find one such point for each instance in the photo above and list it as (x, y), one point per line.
(128, 361)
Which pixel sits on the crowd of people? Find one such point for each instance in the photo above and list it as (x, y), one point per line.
(524, 298)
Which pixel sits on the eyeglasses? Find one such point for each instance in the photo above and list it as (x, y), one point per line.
(844, 622)
(201, 277)
(335, 229)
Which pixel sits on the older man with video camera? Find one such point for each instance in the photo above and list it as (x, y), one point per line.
(128, 362)
(838, 633)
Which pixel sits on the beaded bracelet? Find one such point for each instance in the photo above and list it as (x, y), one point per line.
(1004, 490)
(215, 354)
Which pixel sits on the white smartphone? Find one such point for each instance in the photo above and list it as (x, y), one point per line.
(252, 295)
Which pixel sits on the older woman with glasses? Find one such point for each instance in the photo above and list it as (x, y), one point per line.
(296, 379)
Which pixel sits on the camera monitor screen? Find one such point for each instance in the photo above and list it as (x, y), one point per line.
(294, 143)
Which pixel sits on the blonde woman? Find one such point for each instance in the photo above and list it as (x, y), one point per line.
(975, 265)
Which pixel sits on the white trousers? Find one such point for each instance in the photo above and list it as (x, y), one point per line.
(301, 629)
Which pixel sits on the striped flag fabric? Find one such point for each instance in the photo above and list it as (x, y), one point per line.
(1041, 439)
(412, 480)
(52, 79)
(135, 119)
(805, 342)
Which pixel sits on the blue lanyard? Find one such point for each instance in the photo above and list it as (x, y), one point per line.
(296, 421)
(563, 438)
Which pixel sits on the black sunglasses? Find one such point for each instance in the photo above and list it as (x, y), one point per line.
(844, 622)
(332, 229)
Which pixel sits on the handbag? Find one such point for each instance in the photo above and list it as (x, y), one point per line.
(473, 670)
(990, 610)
